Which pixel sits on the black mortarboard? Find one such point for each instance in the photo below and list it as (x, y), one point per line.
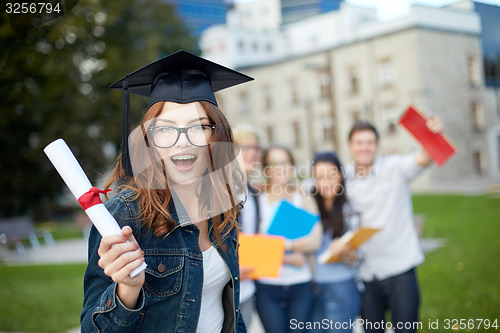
(180, 77)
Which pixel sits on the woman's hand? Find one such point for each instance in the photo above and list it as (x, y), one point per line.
(246, 273)
(340, 249)
(118, 259)
(296, 259)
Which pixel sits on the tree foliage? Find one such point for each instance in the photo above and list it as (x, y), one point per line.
(53, 83)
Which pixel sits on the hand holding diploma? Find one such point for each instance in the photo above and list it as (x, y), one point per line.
(120, 256)
(88, 196)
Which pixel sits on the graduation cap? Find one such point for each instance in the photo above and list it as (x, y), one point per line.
(180, 77)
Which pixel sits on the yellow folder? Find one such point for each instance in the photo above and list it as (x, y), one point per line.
(262, 253)
(354, 238)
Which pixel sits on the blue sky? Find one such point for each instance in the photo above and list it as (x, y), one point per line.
(391, 9)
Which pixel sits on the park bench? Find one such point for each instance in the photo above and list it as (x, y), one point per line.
(16, 230)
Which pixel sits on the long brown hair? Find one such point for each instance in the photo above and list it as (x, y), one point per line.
(332, 217)
(156, 198)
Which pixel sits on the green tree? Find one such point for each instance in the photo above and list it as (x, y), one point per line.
(53, 83)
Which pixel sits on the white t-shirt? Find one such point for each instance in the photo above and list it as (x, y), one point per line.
(215, 277)
(384, 200)
(289, 274)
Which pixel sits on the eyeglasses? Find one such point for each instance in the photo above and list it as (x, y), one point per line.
(167, 136)
(257, 149)
(274, 164)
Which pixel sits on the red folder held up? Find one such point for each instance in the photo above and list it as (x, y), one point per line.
(439, 148)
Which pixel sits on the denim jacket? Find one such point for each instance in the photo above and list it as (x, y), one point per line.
(170, 299)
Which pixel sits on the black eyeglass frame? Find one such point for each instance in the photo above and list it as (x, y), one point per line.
(180, 130)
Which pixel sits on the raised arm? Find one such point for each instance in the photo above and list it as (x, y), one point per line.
(434, 125)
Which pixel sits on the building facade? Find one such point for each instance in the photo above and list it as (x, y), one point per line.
(308, 96)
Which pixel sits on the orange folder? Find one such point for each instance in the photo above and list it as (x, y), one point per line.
(263, 253)
(439, 148)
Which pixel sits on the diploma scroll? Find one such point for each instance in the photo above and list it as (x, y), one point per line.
(73, 175)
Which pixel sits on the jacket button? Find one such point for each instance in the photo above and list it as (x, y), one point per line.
(224, 247)
(161, 268)
(108, 303)
(236, 278)
(237, 310)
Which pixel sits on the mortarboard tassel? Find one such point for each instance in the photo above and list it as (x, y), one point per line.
(126, 164)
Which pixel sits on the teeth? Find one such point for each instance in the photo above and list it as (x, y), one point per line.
(183, 157)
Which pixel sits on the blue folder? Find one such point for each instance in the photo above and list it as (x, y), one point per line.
(292, 222)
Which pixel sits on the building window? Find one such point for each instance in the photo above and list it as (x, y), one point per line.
(294, 92)
(492, 70)
(324, 85)
(244, 102)
(391, 127)
(472, 70)
(327, 129)
(268, 98)
(270, 133)
(355, 116)
(479, 163)
(390, 114)
(387, 73)
(477, 116)
(353, 81)
(296, 134)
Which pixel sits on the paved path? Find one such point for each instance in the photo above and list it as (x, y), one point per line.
(63, 252)
(75, 251)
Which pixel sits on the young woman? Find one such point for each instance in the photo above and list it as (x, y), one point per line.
(168, 210)
(336, 294)
(288, 297)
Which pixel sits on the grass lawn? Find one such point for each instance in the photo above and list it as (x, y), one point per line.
(462, 279)
(459, 281)
(41, 298)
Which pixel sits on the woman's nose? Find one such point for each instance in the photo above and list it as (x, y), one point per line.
(183, 141)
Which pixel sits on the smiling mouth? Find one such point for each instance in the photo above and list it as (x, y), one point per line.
(184, 162)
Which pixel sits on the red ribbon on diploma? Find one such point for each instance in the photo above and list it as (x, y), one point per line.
(91, 198)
